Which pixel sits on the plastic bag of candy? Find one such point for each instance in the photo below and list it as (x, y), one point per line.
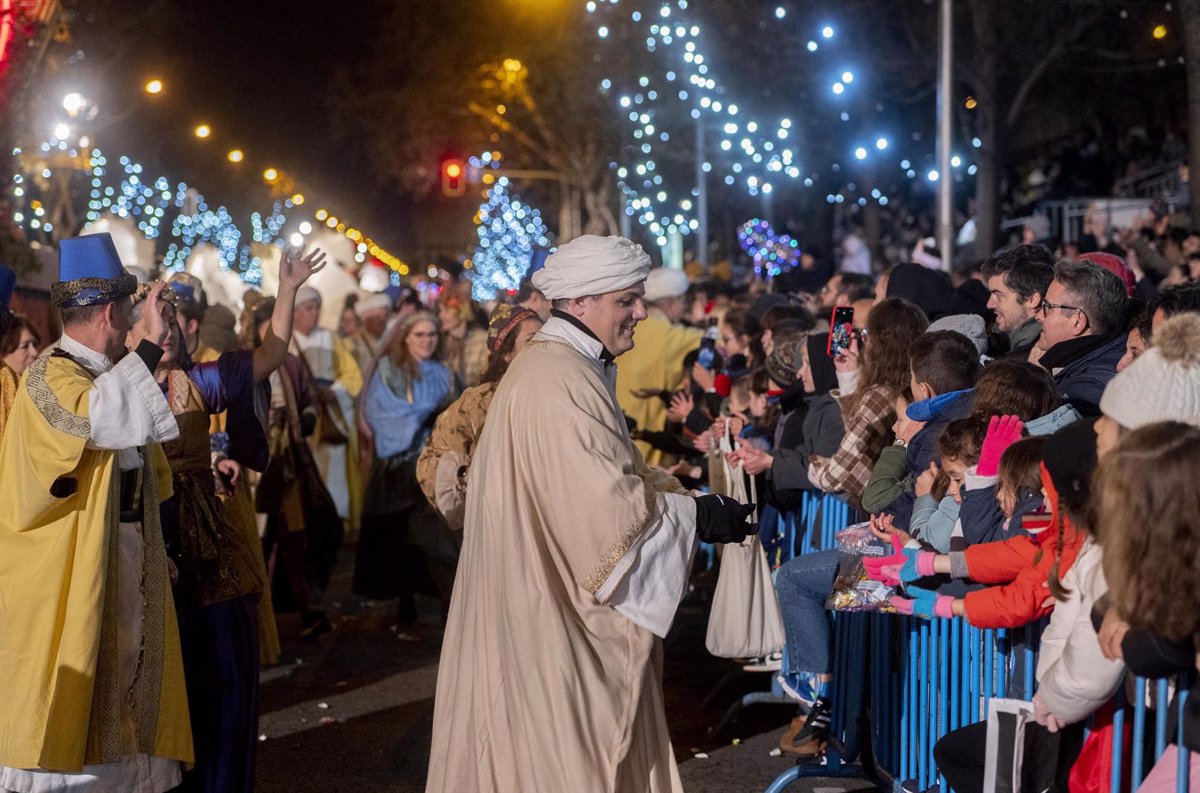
(853, 589)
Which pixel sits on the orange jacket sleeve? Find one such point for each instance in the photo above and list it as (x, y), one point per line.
(1020, 602)
(1000, 562)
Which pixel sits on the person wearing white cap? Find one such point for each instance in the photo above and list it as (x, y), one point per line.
(575, 556)
(656, 363)
(338, 378)
(1162, 384)
(373, 311)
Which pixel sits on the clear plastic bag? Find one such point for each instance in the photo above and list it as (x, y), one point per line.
(853, 589)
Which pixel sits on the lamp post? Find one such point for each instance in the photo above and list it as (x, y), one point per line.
(945, 206)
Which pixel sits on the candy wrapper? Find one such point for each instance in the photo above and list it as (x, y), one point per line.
(853, 589)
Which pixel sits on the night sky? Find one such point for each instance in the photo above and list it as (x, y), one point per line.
(260, 73)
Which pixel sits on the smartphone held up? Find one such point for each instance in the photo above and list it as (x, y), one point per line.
(841, 331)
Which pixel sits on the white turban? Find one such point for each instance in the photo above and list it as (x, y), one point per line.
(591, 265)
(372, 302)
(664, 283)
(305, 294)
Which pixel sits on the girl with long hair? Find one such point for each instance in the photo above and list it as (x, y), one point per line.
(403, 547)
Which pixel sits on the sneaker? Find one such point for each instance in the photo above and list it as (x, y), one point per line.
(768, 663)
(803, 687)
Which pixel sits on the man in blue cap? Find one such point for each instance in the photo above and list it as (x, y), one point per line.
(94, 695)
(8, 378)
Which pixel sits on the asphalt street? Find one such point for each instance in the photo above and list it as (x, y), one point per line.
(354, 712)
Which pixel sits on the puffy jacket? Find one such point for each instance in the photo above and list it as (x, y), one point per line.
(1074, 677)
(1082, 368)
(1019, 568)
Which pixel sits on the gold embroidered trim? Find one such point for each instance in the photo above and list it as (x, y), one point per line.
(47, 403)
(67, 293)
(608, 562)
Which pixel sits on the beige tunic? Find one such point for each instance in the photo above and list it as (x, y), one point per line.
(574, 559)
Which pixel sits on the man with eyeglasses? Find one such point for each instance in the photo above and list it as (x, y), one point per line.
(1083, 338)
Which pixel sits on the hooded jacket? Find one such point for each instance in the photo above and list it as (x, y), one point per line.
(936, 412)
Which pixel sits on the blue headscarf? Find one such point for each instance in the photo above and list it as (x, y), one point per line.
(398, 408)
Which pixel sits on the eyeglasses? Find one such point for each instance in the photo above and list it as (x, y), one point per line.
(1045, 306)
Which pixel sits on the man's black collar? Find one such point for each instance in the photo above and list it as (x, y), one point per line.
(605, 355)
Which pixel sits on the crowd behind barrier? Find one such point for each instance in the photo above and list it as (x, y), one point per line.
(922, 679)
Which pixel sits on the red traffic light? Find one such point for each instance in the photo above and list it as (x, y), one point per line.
(454, 184)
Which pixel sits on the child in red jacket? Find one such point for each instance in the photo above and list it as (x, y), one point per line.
(1020, 567)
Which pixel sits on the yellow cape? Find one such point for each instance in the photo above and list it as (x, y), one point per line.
(58, 593)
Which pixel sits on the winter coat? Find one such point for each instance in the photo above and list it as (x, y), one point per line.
(890, 478)
(981, 516)
(1019, 568)
(1082, 368)
(1074, 677)
(822, 431)
(936, 412)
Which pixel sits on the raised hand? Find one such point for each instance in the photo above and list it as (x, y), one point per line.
(1003, 431)
(155, 322)
(295, 267)
(847, 361)
(681, 405)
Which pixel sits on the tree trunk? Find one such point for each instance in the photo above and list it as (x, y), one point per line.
(1189, 12)
(988, 156)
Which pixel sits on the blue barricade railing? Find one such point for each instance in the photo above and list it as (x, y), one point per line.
(909, 681)
(927, 678)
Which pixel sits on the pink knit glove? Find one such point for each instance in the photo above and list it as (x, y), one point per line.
(924, 603)
(907, 564)
(1003, 431)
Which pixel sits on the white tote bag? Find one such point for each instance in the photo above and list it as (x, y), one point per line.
(745, 621)
(1006, 723)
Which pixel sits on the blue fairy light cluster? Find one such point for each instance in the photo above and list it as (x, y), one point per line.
(772, 253)
(508, 230)
(756, 154)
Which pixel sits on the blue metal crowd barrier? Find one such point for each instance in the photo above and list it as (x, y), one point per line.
(926, 678)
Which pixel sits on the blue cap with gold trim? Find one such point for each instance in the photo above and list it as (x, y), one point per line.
(90, 272)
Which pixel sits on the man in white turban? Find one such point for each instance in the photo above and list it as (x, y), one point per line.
(575, 556)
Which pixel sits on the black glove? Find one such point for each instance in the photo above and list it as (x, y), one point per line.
(722, 519)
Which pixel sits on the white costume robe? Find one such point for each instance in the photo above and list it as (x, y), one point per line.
(127, 409)
(574, 560)
(331, 360)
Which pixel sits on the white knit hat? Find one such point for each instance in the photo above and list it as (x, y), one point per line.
(372, 302)
(1163, 384)
(664, 283)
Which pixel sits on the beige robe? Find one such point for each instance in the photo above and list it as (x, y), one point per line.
(574, 559)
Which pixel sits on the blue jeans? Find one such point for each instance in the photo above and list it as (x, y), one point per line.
(803, 585)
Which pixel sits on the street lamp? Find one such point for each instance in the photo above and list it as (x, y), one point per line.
(270, 175)
(202, 131)
(236, 155)
(154, 86)
(62, 131)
